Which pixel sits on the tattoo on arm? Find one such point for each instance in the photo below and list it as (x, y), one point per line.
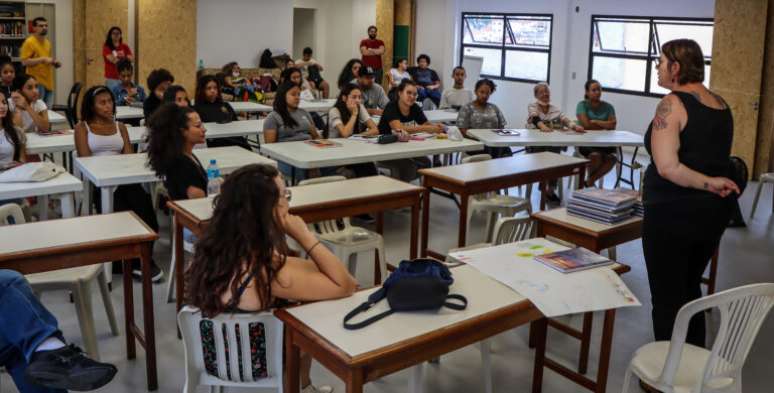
(663, 110)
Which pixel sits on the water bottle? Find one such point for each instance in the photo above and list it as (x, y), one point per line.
(201, 65)
(213, 178)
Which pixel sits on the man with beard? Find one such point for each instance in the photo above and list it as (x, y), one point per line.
(36, 56)
(372, 49)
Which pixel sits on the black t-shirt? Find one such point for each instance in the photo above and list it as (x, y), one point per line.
(183, 173)
(215, 112)
(150, 105)
(392, 112)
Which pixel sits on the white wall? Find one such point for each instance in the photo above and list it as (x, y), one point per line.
(439, 37)
(239, 30)
(304, 21)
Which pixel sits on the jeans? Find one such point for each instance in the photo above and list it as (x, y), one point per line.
(46, 95)
(24, 324)
(112, 83)
(434, 95)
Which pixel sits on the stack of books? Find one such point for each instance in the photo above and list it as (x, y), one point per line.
(604, 206)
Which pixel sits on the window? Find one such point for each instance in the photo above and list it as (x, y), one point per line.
(513, 46)
(624, 50)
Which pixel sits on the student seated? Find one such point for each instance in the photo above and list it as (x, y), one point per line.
(30, 112)
(127, 92)
(427, 80)
(404, 116)
(312, 70)
(242, 261)
(458, 95)
(349, 117)
(595, 114)
(398, 73)
(158, 81)
(33, 350)
(350, 73)
(176, 94)
(234, 83)
(294, 76)
(212, 109)
(483, 114)
(12, 139)
(374, 97)
(547, 118)
(7, 75)
(98, 134)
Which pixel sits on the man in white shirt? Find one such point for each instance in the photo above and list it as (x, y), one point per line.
(311, 71)
(458, 95)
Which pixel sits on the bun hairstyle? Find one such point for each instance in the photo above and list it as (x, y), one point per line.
(688, 54)
(487, 82)
(587, 86)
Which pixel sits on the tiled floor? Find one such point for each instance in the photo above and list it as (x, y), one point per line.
(747, 256)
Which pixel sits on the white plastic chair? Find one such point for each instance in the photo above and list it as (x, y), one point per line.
(188, 249)
(77, 280)
(765, 178)
(494, 203)
(345, 240)
(233, 354)
(677, 367)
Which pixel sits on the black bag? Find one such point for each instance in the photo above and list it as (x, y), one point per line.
(386, 138)
(421, 284)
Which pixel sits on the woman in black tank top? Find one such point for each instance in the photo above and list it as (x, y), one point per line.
(685, 192)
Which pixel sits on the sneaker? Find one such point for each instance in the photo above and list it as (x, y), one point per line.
(317, 389)
(156, 273)
(68, 368)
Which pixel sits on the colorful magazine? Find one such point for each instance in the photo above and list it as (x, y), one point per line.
(573, 260)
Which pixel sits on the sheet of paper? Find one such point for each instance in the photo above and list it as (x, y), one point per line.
(554, 293)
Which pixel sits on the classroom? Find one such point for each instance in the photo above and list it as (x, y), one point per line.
(316, 196)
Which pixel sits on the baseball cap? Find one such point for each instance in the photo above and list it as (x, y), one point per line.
(366, 71)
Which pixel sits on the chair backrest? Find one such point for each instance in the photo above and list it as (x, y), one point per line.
(72, 104)
(742, 311)
(476, 158)
(513, 229)
(327, 226)
(231, 348)
(10, 214)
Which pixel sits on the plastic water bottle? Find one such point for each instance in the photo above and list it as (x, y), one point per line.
(200, 66)
(213, 178)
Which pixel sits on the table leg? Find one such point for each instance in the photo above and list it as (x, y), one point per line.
(581, 177)
(292, 363)
(355, 381)
(583, 361)
(605, 350)
(414, 229)
(425, 220)
(131, 348)
(463, 220)
(379, 230)
(542, 186)
(68, 205)
(179, 263)
(149, 326)
(540, 327)
(43, 207)
(106, 194)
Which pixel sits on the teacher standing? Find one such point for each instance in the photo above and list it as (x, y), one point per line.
(113, 51)
(686, 191)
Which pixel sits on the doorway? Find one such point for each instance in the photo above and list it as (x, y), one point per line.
(303, 30)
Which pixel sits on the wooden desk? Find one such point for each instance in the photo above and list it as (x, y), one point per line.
(60, 244)
(314, 202)
(492, 175)
(586, 233)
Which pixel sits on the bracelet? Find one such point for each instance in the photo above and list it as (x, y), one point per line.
(311, 248)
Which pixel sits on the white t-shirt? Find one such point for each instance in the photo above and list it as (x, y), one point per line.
(455, 98)
(334, 119)
(27, 124)
(6, 149)
(398, 76)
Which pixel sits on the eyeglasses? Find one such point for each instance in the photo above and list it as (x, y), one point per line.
(288, 194)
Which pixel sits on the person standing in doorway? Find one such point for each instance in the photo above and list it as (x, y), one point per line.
(36, 56)
(372, 49)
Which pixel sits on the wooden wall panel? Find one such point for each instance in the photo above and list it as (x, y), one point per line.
(764, 159)
(166, 38)
(737, 65)
(79, 40)
(100, 16)
(385, 19)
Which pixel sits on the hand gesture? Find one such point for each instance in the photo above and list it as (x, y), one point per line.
(19, 101)
(294, 226)
(580, 129)
(721, 186)
(353, 106)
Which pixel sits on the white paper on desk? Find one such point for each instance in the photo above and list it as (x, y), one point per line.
(31, 172)
(554, 293)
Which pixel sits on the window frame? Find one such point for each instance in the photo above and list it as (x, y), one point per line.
(653, 44)
(503, 48)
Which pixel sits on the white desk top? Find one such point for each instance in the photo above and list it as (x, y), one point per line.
(441, 115)
(483, 293)
(38, 144)
(560, 214)
(131, 168)
(249, 107)
(63, 183)
(70, 232)
(313, 194)
(310, 106)
(128, 112)
(302, 155)
(530, 137)
(522, 163)
(56, 117)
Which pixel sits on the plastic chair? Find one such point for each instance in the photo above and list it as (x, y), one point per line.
(77, 280)
(345, 240)
(765, 178)
(188, 248)
(70, 109)
(677, 367)
(494, 203)
(236, 350)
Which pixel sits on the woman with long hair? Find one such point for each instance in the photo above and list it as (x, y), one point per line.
(480, 113)
(242, 263)
(596, 115)
(213, 109)
(114, 50)
(30, 112)
(350, 72)
(12, 149)
(349, 117)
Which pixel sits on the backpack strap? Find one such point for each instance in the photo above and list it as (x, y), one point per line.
(456, 306)
(361, 308)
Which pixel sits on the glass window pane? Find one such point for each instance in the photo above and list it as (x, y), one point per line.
(655, 88)
(617, 37)
(483, 30)
(526, 65)
(492, 59)
(701, 33)
(530, 32)
(624, 74)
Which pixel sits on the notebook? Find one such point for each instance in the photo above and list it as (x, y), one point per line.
(573, 260)
(323, 143)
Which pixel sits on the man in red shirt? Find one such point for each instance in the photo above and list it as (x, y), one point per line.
(372, 49)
